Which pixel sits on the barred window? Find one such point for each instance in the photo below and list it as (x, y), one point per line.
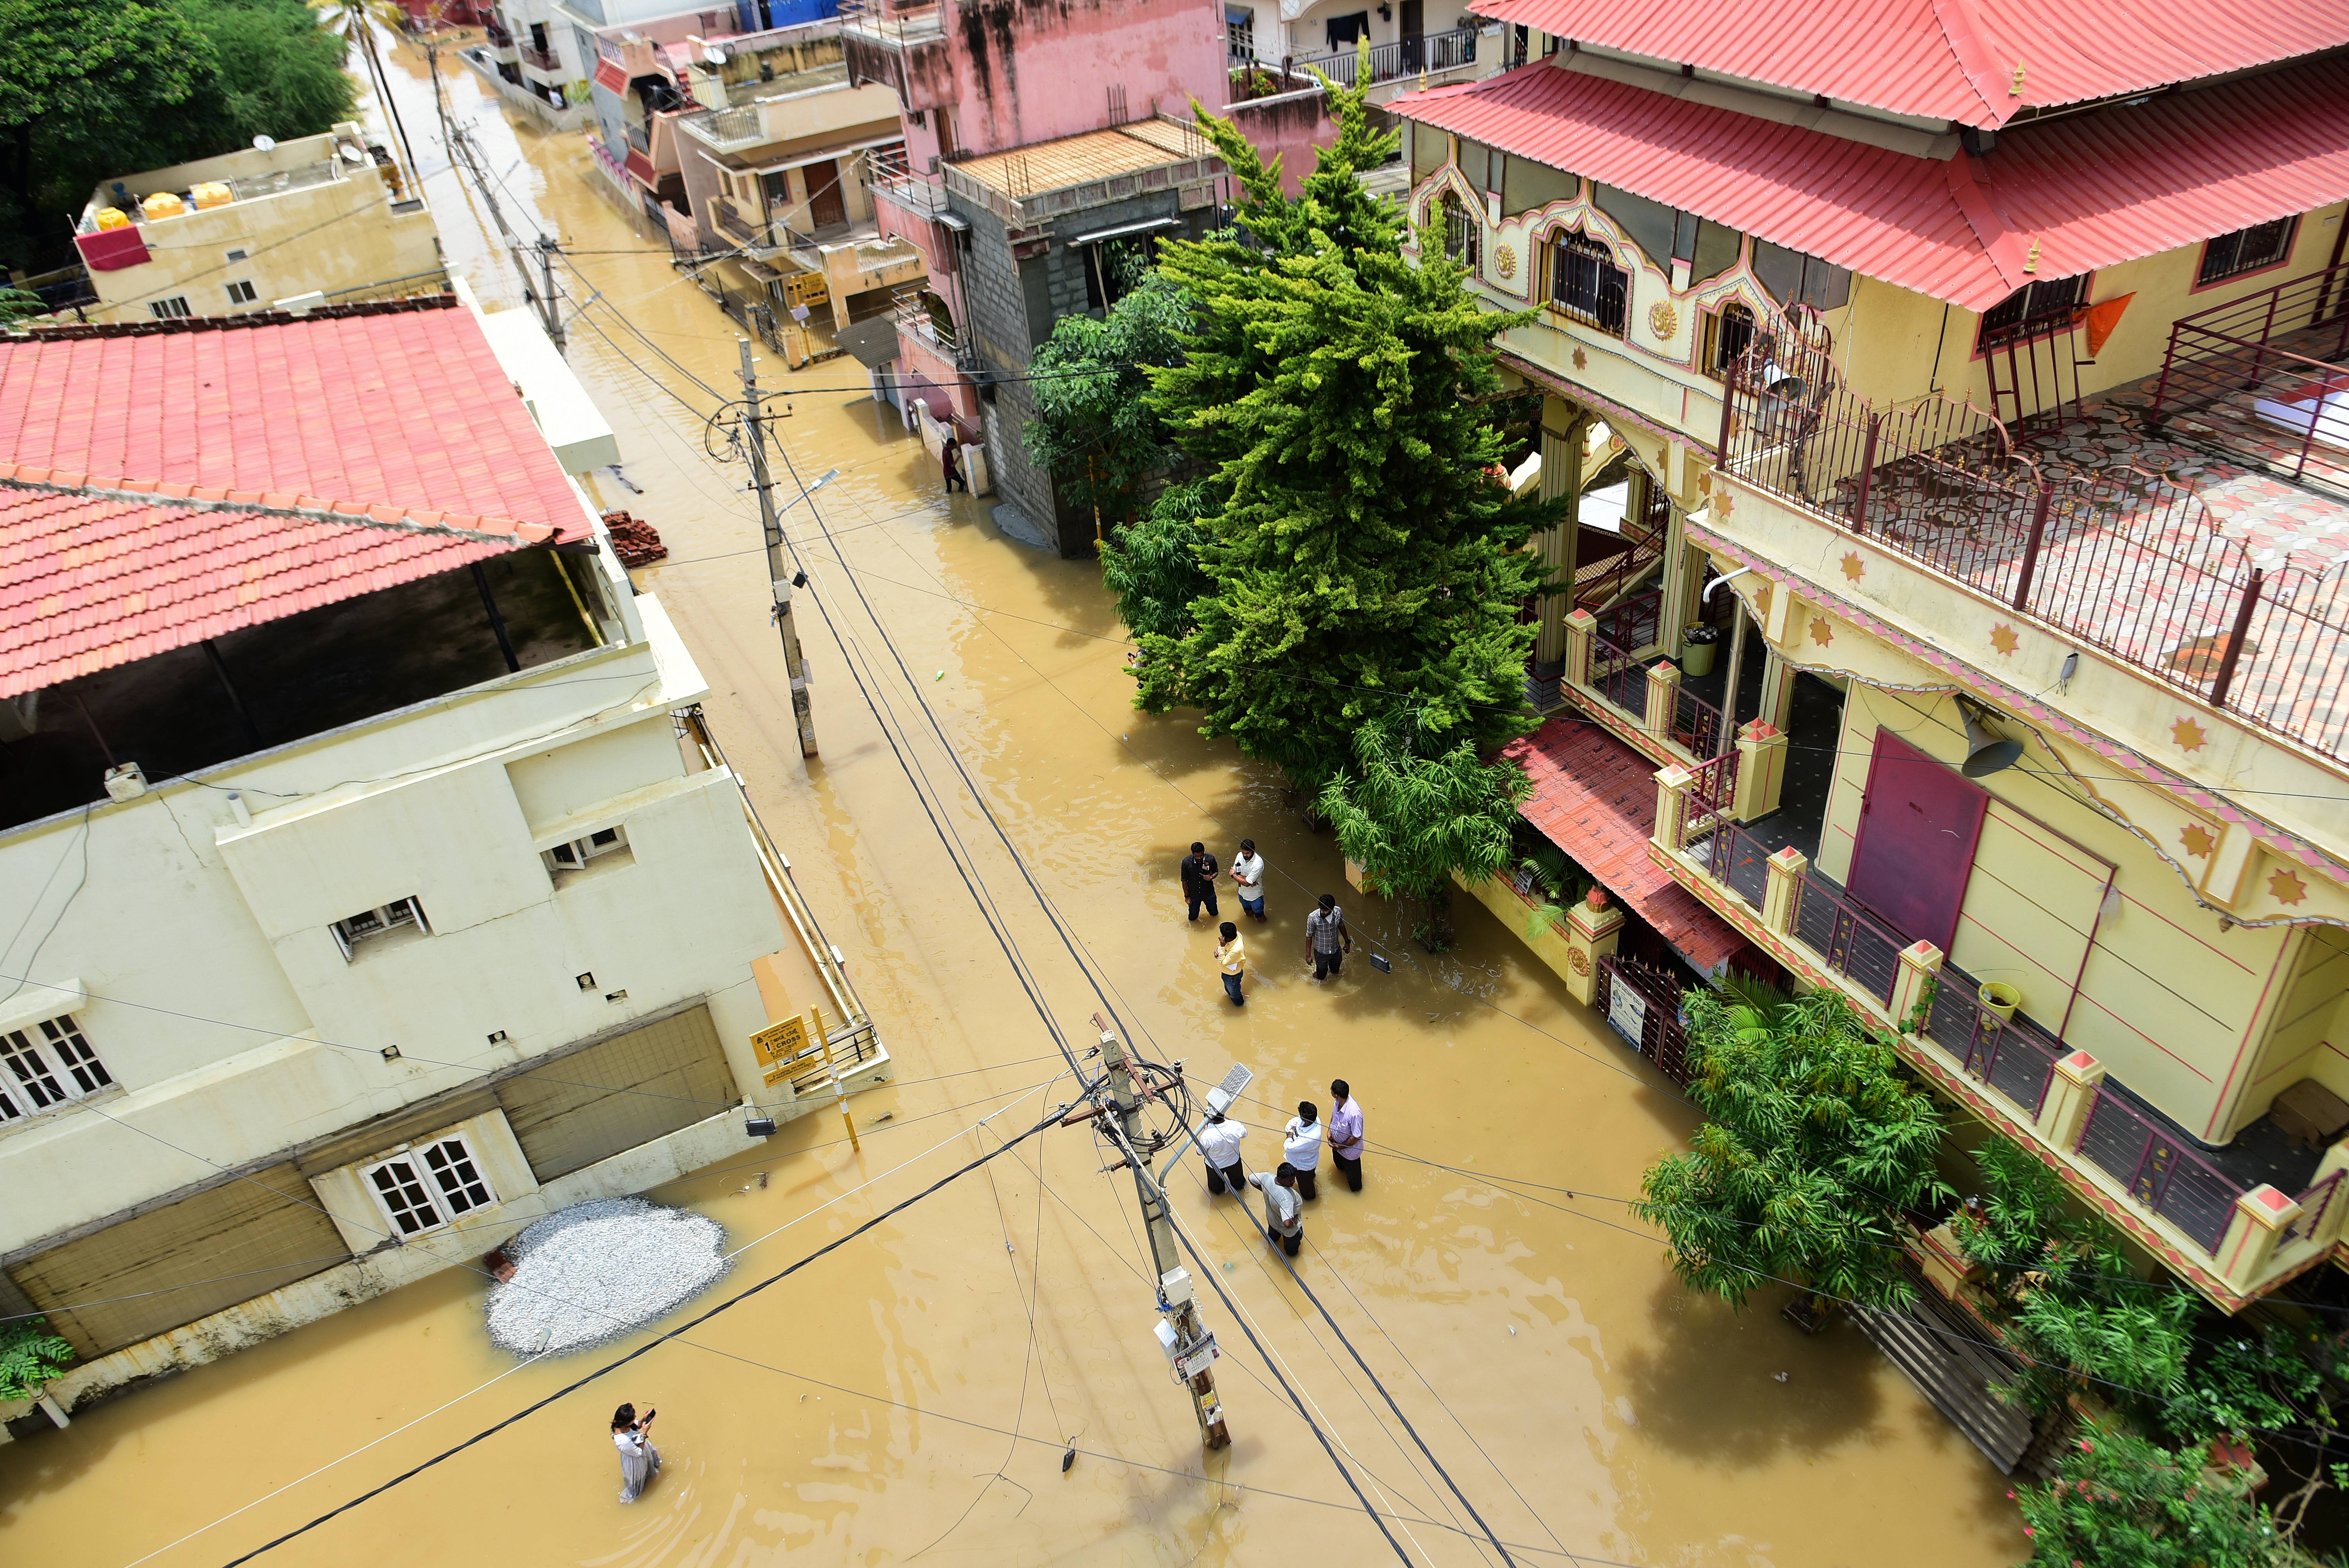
(1464, 234)
(43, 1067)
(2034, 309)
(1585, 283)
(1728, 333)
(2246, 251)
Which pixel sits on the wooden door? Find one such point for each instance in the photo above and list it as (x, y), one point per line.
(1918, 825)
(826, 206)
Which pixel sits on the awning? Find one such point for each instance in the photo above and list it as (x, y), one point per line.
(1595, 798)
(1122, 229)
(874, 342)
(611, 78)
(2084, 192)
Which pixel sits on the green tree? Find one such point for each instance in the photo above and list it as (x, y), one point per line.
(2122, 1501)
(1360, 563)
(1410, 819)
(1152, 567)
(1096, 430)
(29, 1356)
(279, 72)
(1815, 1142)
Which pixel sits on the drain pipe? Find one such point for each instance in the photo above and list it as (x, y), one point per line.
(1706, 597)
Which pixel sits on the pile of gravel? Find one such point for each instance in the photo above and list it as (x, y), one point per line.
(596, 1270)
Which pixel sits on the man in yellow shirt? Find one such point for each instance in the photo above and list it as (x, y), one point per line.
(1231, 953)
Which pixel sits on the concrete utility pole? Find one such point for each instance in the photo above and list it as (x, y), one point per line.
(1185, 1339)
(778, 574)
(548, 299)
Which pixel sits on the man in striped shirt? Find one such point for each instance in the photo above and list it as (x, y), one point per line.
(1326, 934)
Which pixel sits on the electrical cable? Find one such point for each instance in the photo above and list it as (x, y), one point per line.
(647, 1348)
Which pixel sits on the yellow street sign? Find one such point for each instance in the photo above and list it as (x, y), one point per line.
(779, 1042)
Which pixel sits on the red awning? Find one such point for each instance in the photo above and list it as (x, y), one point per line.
(112, 249)
(2087, 190)
(1595, 798)
(611, 78)
(640, 170)
(1978, 62)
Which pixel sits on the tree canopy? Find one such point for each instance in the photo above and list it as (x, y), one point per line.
(1410, 819)
(93, 89)
(1096, 428)
(1355, 562)
(1815, 1142)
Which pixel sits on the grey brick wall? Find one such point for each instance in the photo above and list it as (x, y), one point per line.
(1012, 307)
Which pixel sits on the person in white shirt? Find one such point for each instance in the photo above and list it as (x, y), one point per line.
(1284, 1210)
(1346, 1134)
(1219, 1145)
(1301, 1141)
(639, 1460)
(1247, 871)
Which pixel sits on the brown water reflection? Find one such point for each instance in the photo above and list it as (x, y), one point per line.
(861, 1410)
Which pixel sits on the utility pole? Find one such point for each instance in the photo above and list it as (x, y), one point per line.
(1185, 1339)
(778, 574)
(550, 302)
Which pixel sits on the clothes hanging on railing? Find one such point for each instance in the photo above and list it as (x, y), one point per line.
(1345, 30)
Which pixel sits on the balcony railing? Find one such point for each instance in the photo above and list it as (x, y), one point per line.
(2130, 562)
(544, 59)
(2160, 1168)
(497, 35)
(1393, 62)
(2272, 347)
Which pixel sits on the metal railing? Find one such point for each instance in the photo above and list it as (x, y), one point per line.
(1395, 60)
(892, 22)
(1850, 941)
(545, 59)
(2315, 1204)
(2130, 562)
(1618, 669)
(2229, 350)
(497, 35)
(1664, 1037)
(2158, 1169)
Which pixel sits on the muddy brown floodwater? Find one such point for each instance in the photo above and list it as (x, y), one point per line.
(865, 1409)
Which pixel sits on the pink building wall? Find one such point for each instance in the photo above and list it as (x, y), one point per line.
(1030, 70)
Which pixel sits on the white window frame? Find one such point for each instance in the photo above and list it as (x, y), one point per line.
(250, 296)
(355, 930)
(427, 1187)
(46, 1065)
(576, 855)
(175, 308)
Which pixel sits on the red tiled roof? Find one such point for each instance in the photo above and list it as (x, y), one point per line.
(1950, 60)
(406, 407)
(1595, 798)
(94, 575)
(2091, 190)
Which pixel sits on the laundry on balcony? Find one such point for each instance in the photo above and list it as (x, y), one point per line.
(1595, 798)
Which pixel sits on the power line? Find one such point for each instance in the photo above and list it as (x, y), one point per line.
(648, 1347)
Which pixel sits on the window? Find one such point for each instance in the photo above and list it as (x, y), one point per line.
(2033, 309)
(373, 924)
(1728, 333)
(422, 1190)
(1239, 31)
(2246, 251)
(1793, 277)
(46, 1066)
(1650, 225)
(234, 256)
(243, 293)
(1114, 268)
(574, 855)
(1585, 283)
(169, 309)
(1464, 233)
(1717, 249)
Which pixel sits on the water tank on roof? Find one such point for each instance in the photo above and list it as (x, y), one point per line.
(163, 204)
(211, 194)
(113, 218)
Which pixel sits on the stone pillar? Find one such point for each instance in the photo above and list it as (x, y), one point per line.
(1761, 770)
(1564, 431)
(1671, 805)
(1592, 928)
(1781, 897)
(1663, 694)
(1580, 627)
(1736, 656)
(2071, 1096)
(1920, 966)
(2258, 1223)
(1777, 691)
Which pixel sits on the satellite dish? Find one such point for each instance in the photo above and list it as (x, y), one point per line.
(264, 144)
(713, 54)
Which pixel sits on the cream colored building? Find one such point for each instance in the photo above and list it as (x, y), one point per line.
(328, 215)
(376, 883)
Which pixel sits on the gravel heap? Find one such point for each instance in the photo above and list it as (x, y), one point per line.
(596, 1270)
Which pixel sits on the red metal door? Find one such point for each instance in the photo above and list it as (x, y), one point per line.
(1918, 824)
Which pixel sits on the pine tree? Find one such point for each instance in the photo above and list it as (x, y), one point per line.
(1362, 563)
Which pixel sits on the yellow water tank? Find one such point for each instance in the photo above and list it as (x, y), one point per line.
(163, 204)
(113, 218)
(211, 194)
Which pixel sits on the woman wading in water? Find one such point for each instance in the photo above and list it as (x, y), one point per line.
(639, 1460)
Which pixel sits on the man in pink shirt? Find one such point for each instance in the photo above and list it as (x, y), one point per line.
(1346, 1135)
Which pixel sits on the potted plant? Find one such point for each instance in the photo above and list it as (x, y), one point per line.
(2000, 998)
(1697, 644)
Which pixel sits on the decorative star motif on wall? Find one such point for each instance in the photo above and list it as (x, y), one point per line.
(1581, 360)
(1821, 633)
(1853, 567)
(2199, 841)
(1724, 503)
(2188, 735)
(2285, 887)
(2003, 639)
(1704, 482)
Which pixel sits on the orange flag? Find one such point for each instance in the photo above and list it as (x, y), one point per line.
(2102, 317)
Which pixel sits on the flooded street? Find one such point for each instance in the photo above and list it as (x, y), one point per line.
(913, 1395)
